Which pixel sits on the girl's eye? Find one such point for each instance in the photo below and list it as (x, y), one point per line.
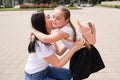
(58, 18)
(53, 17)
(48, 16)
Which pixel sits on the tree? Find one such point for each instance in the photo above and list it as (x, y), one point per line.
(71, 2)
(20, 1)
(93, 2)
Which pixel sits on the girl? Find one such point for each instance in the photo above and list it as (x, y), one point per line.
(41, 54)
(79, 63)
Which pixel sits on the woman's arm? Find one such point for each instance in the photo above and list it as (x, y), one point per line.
(55, 61)
(53, 37)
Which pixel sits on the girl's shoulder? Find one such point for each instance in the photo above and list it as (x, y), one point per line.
(66, 28)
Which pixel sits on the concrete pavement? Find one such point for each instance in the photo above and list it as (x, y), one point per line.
(14, 38)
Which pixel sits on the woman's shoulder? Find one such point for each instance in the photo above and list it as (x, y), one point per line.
(42, 43)
(45, 46)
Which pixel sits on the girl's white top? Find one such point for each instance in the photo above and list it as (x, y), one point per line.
(68, 29)
(36, 61)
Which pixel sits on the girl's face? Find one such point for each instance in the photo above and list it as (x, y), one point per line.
(58, 19)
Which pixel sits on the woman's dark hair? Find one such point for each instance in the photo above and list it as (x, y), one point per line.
(38, 23)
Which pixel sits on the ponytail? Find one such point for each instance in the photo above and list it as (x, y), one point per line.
(74, 37)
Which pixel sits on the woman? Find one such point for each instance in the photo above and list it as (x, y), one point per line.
(41, 54)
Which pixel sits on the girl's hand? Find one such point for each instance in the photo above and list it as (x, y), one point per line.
(79, 44)
(32, 31)
(32, 37)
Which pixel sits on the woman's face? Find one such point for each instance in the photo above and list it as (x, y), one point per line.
(58, 19)
(48, 21)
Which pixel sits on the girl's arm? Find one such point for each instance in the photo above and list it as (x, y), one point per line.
(53, 37)
(60, 51)
(89, 33)
(55, 61)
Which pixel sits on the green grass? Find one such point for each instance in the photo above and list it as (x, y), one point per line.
(22, 9)
(109, 5)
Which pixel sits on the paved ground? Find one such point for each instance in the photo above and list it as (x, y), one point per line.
(14, 38)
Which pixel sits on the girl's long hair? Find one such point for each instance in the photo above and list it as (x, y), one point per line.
(67, 16)
(38, 23)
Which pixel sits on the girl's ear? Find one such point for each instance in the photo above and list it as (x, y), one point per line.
(67, 20)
